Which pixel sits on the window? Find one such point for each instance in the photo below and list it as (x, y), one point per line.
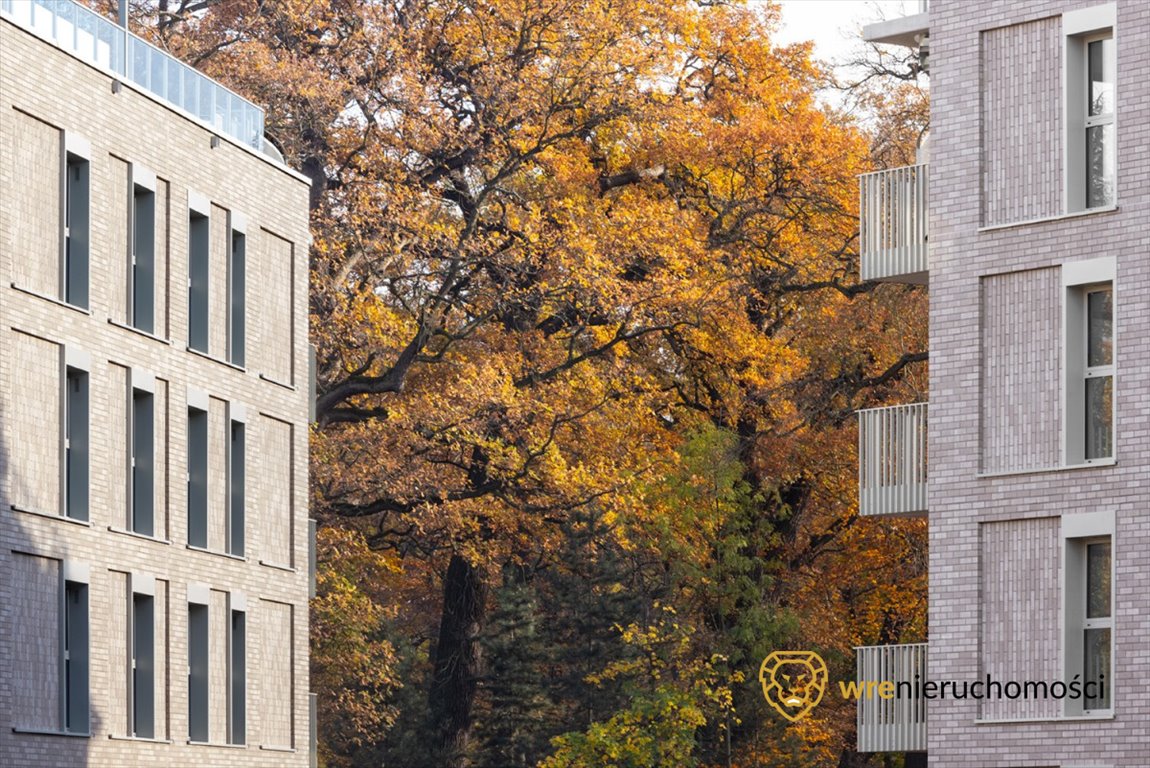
(1099, 121)
(1088, 586)
(198, 672)
(75, 661)
(1099, 373)
(143, 453)
(198, 276)
(142, 275)
(237, 675)
(1089, 428)
(1090, 108)
(235, 541)
(198, 476)
(1097, 622)
(237, 281)
(76, 229)
(76, 443)
(143, 666)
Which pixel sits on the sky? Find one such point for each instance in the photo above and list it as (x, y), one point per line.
(834, 24)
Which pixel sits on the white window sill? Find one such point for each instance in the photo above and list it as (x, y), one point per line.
(53, 299)
(52, 516)
(52, 732)
(277, 566)
(217, 553)
(114, 737)
(216, 744)
(269, 748)
(1067, 719)
(277, 382)
(213, 358)
(1048, 219)
(143, 536)
(139, 332)
(1042, 470)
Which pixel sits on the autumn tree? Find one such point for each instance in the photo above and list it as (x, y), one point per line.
(553, 240)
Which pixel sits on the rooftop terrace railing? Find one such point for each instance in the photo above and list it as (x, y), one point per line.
(105, 44)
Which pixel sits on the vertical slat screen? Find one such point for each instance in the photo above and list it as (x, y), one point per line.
(893, 224)
(893, 460)
(898, 724)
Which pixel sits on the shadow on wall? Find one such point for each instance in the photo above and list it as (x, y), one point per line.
(47, 711)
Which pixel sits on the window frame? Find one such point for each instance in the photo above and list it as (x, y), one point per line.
(199, 663)
(237, 669)
(199, 273)
(142, 454)
(237, 288)
(236, 512)
(75, 221)
(1079, 531)
(198, 467)
(1097, 622)
(142, 666)
(1080, 28)
(142, 251)
(1079, 280)
(75, 649)
(75, 436)
(1096, 372)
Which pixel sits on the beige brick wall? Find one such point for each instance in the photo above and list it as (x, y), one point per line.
(35, 410)
(117, 717)
(44, 92)
(35, 213)
(272, 297)
(273, 486)
(35, 670)
(112, 509)
(275, 674)
(110, 203)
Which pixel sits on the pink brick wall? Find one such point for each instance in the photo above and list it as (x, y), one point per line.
(961, 500)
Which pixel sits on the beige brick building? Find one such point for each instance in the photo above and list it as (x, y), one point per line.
(154, 544)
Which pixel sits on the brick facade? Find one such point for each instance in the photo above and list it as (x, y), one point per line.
(994, 160)
(46, 94)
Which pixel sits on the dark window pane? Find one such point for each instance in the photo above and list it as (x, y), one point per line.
(1098, 580)
(1097, 667)
(1099, 417)
(1100, 328)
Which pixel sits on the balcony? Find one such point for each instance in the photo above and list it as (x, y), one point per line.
(892, 460)
(98, 41)
(893, 225)
(910, 31)
(897, 724)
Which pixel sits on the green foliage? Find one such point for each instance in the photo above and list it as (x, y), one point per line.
(672, 693)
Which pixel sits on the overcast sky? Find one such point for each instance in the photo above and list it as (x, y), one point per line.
(834, 24)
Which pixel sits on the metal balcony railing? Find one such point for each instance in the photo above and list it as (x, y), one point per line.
(893, 224)
(102, 43)
(895, 724)
(892, 460)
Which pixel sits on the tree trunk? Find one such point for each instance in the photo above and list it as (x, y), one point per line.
(457, 660)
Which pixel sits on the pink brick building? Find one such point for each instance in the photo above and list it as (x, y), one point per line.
(1032, 238)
